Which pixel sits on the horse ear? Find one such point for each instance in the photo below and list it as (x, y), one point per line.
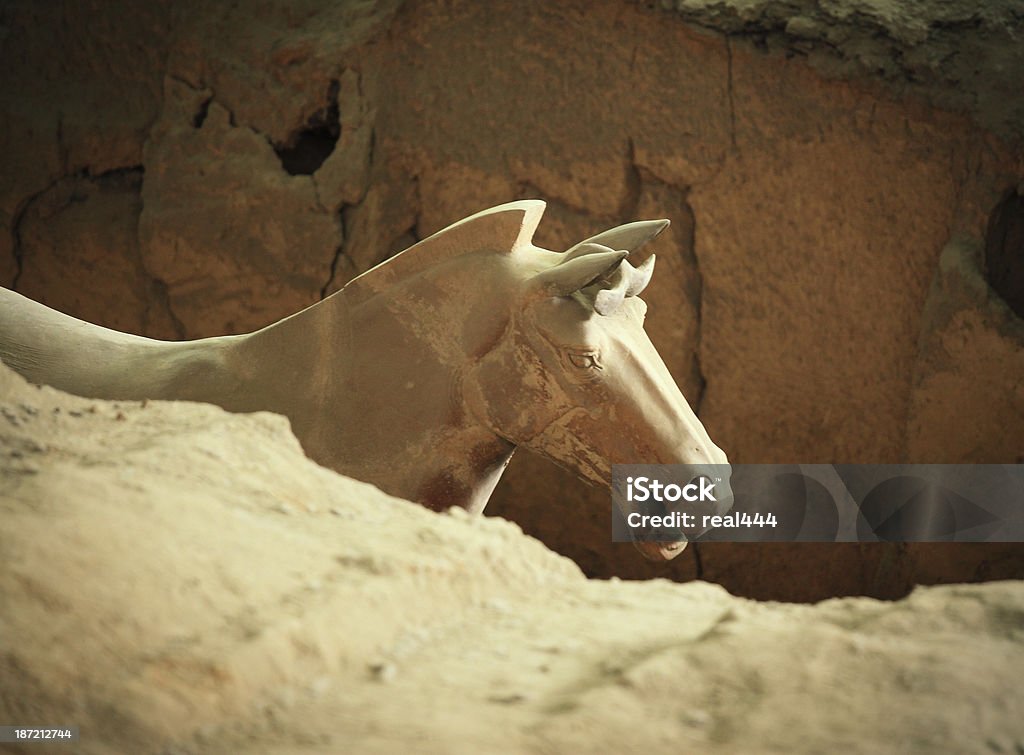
(640, 277)
(630, 237)
(613, 289)
(570, 275)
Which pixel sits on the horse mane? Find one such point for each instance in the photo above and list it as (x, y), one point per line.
(504, 228)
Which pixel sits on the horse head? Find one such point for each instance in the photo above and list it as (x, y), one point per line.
(573, 375)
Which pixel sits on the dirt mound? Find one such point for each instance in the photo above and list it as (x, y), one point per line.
(178, 579)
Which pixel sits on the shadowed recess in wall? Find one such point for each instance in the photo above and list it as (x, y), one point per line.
(307, 149)
(1004, 251)
(204, 110)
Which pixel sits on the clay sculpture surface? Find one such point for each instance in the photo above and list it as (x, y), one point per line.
(425, 373)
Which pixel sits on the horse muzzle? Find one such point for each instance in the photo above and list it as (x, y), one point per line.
(660, 551)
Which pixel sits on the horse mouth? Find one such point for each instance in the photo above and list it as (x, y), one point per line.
(660, 551)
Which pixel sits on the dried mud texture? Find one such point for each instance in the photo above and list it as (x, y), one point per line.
(815, 159)
(237, 240)
(956, 54)
(968, 399)
(80, 242)
(74, 102)
(179, 579)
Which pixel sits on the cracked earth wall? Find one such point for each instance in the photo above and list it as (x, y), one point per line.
(190, 169)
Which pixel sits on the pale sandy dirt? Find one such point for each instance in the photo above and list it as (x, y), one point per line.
(177, 579)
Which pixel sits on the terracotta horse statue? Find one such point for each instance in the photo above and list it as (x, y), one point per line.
(424, 374)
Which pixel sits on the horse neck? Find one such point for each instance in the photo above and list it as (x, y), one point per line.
(397, 398)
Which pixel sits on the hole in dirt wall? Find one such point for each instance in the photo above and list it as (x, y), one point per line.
(1004, 251)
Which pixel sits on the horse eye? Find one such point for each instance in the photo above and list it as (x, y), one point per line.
(583, 360)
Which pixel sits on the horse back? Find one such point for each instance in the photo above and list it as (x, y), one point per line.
(51, 348)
